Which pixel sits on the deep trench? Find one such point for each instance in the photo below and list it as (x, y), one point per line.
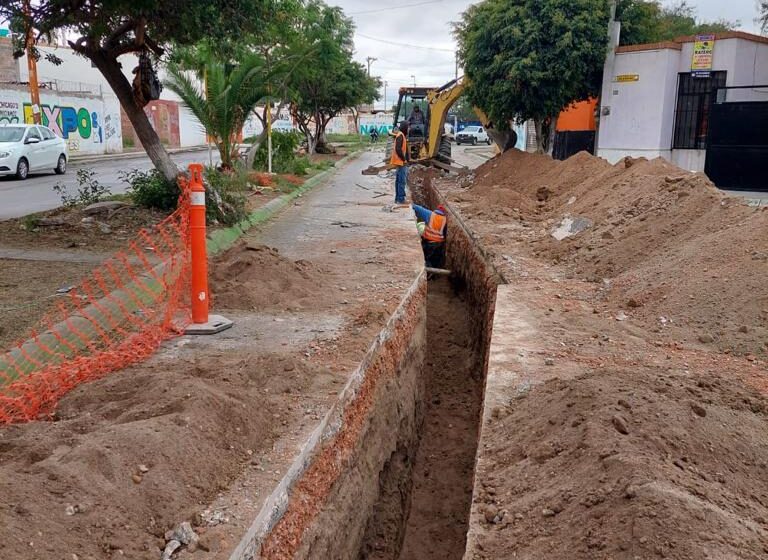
(426, 490)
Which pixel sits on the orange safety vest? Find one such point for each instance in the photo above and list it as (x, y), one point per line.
(435, 230)
(395, 159)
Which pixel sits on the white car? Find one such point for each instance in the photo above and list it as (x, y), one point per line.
(473, 135)
(26, 148)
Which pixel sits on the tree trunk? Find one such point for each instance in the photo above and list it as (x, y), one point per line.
(250, 157)
(110, 69)
(545, 134)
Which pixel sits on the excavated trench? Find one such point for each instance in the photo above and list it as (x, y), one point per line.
(428, 518)
(389, 473)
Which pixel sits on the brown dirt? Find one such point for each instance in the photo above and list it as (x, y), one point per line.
(558, 477)
(668, 240)
(442, 473)
(27, 290)
(256, 277)
(677, 485)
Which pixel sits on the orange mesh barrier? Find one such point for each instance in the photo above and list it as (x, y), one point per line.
(118, 315)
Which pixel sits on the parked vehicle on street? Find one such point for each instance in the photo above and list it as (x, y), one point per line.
(473, 135)
(28, 148)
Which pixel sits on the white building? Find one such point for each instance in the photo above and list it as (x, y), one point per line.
(652, 105)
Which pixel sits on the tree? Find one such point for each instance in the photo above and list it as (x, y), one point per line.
(464, 110)
(328, 81)
(647, 21)
(528, 59)
(105, 31)
(231, 93)
(762, 19)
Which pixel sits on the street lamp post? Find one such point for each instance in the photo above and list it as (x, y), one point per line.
(385, 95)
(414, 80)
(369, 60)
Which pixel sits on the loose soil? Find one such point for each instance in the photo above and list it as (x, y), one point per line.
(637, 429)
(239, 280)
(436, 527)
(28, 289)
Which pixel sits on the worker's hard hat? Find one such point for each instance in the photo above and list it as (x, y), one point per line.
(440, 210)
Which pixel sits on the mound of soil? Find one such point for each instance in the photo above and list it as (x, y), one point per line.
(677, 251)
(257, 277)
(632, 463)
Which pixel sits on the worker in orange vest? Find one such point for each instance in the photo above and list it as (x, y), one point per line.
(400, 159)
(433, 234)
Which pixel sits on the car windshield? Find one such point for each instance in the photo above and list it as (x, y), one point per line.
(472, 129)
(11, 133)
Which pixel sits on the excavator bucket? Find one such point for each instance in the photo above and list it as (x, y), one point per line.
(505, 139)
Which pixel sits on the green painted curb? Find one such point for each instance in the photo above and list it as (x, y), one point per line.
(148, 289)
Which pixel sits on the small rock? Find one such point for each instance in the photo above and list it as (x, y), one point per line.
(289, 367)
(623, 403)
(633, 303)
(620, 424)
(70, 510)
(621, 316)
(743, 329)
(706, 338)
(171, 547)
(698, 410)
(51, 221)
(104, 207)
(333, 250)
(143, 469)
(549, 361)
(104, 228)
(491, 512)
(88, 220)
(547, 512)
(136, 478)
(630, 492)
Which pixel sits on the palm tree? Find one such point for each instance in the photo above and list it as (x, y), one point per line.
(232, 91)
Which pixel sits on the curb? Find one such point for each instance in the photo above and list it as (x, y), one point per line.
(129, 155)
(115, 307)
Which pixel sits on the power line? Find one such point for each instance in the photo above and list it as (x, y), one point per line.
(389, 9)
(406, 44)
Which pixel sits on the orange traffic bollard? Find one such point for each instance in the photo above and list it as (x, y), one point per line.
(199, 254)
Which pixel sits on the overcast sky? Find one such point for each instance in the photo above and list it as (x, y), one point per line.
(385, 27)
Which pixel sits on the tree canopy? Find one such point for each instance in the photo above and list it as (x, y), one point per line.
(328, 80)
(648, 21)
(528, 59)
(762, 19)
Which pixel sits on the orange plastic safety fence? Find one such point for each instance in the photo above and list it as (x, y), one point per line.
(118, 315)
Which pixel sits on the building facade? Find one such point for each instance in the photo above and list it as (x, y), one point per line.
(655, 105)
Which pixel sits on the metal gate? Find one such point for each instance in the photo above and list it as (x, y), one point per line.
(737, 141)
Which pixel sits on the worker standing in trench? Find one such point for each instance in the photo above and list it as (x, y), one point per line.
(433, 226)
(400, 160)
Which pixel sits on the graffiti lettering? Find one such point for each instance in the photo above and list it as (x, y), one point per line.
(65, 120)
(9, 112)
(382, 129)
(109, 127)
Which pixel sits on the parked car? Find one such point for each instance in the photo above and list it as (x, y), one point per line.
(473, 135)
(26, 148)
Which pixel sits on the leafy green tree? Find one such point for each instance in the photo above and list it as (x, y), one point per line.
(464, 110)
(106, 30)
(328, 80)
(528, 59)
(647, 21)
(230, 93)
(762, 19)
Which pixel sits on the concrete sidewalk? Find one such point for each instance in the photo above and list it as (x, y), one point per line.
(78, 159)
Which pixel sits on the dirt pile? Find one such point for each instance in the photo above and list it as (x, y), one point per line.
(678, 252)
(651, 465)
(256, 277)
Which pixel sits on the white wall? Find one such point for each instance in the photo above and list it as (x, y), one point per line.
(91, 125)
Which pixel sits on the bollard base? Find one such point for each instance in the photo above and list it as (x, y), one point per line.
(215, 324)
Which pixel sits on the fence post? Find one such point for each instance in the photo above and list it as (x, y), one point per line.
(202, 323)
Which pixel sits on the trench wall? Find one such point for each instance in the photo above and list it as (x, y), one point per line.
(322, 506)
(467, 261)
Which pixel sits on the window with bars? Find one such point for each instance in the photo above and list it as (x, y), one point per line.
(694, 101)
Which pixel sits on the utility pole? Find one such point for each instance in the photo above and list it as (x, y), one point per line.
(456, 63)
(414, 80)
(370, 60)
(385, 96)
(34, 91)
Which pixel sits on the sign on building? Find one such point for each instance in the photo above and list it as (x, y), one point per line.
(703, 51)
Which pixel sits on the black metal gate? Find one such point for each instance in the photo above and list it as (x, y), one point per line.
(737, 141)
(568, 143)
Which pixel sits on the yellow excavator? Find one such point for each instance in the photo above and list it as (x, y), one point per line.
(428, 144)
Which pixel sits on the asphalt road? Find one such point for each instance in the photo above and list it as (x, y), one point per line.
(19, 198)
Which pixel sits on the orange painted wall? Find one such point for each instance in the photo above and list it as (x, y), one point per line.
(580, 116)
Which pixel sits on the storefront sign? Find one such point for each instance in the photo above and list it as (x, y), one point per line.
(703, 50)
(627, 78)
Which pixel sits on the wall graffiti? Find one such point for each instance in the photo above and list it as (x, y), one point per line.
(9, 112)
(64, 121)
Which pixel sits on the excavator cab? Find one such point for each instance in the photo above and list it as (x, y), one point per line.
(413, 106)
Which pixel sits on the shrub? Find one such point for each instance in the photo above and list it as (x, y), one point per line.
(226, 195)
(151, 190)
(88, 192)
(284, 146)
